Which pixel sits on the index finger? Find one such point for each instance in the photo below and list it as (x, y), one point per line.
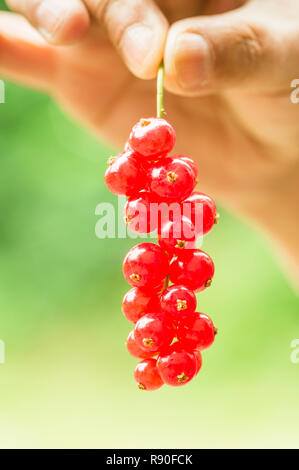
(59, 21)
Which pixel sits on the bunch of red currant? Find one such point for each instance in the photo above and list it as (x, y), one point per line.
(169, 334)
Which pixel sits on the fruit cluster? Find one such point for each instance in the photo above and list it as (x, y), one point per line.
(169, 334)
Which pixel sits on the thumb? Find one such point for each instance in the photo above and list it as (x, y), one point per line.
(249, 47)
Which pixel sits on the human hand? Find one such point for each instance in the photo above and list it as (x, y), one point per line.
(236, 67)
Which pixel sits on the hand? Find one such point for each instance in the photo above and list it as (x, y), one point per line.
(229, 76)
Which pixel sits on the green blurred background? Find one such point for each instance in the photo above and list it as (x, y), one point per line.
(67, 380)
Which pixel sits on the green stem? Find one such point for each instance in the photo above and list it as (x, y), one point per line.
(160, 92)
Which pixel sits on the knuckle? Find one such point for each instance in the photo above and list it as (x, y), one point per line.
(250, 40)
(242, 50)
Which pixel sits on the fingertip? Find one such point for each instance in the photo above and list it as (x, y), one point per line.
(207, 54)
(142, 48)
(187, 60)
(135, 47)
(170, 71)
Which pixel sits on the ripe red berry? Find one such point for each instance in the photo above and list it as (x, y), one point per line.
(197, 331)
(171, 180)
(192, 268)
(147, 376)
(152, 137)
(135, 350)
(140, 213)
(153, 332)
(198, 358)
(190, 162)
(145, 265)
(159, 190)
(124, 175)
(176, 234)
(178, 302)
(137, 303)
(176, 365)
(202, 211)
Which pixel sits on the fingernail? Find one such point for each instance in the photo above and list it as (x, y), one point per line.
(192, 61)
(49, 15)
(136, 45)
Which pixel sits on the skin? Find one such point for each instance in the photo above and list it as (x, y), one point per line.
(229, 65)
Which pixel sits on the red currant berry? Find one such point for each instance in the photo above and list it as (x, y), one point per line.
(144, 164)
(176, 365)
(137, 303)
(135, 350)
(147, 376)
(178, 302)
(140, 213)
(124, 176)
(152, 137)
(198, 358)
(145, 265)
(155, 290)
(153, 332)
(171, 179)
(196, 332)
(202, 211)
(190, 162)
(192, 268)
(176, 234)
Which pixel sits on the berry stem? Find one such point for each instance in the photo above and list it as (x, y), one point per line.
(160, 92)
(166, 283)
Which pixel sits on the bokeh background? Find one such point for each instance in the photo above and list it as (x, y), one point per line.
(68, 380)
